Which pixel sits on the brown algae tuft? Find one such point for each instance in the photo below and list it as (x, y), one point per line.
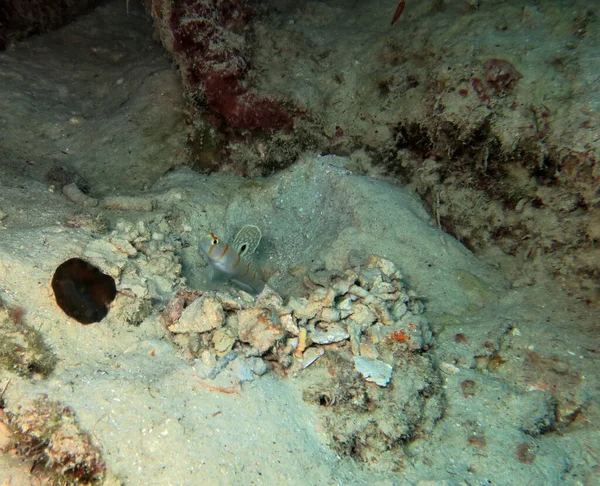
(22, 349)
(47, 433)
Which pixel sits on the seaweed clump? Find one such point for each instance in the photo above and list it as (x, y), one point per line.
(47, 433)
(22, 349)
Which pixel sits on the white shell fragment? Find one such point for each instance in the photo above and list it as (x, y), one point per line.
(373, 370)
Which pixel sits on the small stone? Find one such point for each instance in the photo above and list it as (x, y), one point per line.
(383, 314)
(341, 287)
(330, 315)
(449, 368)
(362, 316)
(386, 266)
(289, 324)
(355, 333)
(318, 294)
(257, 365)
(269, 299)
(369, 276)
(382, 289)
(345, 304)
(6, 438)
(123, 246)
(223, 340)
(310, 356)
(204, 314)
(303, 308)
(229, 303)
(399, 309)
(242, 370)
(359, 291)
(369, 350)
(373, 370)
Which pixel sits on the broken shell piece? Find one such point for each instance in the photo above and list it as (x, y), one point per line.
(373, 370)
(333, 334)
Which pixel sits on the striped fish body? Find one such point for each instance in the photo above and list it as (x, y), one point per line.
(233, 260)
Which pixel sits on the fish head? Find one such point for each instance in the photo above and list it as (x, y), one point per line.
(211, 245)
(218, 252)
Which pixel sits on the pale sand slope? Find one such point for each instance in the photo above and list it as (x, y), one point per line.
(157, 425)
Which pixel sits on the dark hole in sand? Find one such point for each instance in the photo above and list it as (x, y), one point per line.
(82, 291)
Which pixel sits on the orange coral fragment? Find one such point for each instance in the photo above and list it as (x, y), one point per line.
(399, 336)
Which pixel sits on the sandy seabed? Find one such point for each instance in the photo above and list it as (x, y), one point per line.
(516, 367)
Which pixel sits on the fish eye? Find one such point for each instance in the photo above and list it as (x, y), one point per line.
(215, 241)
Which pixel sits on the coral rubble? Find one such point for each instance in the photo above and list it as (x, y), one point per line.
(358, 342)
(22, 348)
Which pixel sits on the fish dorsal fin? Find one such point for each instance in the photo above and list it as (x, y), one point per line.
(247, 240)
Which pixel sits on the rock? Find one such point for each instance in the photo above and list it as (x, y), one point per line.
(386, 267)
(259, 328)
(242, 370)
(333, 334)
(373, 370)
(223, 340)
(269, 299)
(202, 315)
(359, 291)
(6, 437)
(362, 316)
(303, 308)
(355, 333)
(330, 315)
(289, 324)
